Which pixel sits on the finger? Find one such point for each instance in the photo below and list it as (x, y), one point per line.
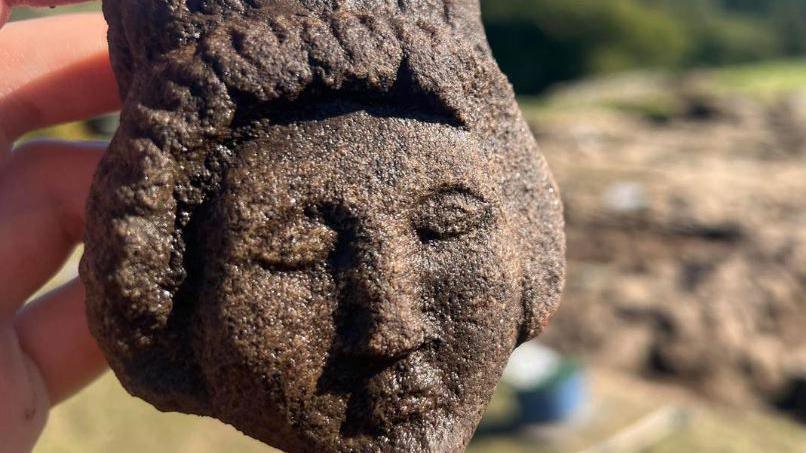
(43, 189)
(53, 332)
(54, 70)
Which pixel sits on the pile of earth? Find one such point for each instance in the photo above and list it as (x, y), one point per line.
(686, 237)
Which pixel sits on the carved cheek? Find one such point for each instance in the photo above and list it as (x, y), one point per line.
(480, 291)
(274, 322)
(475, 308)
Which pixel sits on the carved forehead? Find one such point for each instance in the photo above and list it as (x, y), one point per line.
(366, 151)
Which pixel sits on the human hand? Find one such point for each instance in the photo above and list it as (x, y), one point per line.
(51, 71)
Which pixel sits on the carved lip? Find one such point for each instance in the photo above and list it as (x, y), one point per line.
(411, 386)
(394, 389)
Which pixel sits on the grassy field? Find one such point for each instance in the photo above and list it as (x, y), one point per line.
(765, 80)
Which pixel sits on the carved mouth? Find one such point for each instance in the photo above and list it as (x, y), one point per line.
(382, 392)
(409, 388)
(406, 390)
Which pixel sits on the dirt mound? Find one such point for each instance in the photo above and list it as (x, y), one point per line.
(687, 246)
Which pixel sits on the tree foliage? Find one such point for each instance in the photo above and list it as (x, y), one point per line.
(540, 42)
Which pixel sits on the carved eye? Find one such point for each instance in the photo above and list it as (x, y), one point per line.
(297, 246)
(451, 213)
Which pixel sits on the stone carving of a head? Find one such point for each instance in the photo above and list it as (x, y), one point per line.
(323, 222)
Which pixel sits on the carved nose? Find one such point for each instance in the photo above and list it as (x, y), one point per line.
(388, 322)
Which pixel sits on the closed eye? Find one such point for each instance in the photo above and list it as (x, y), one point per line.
(451, 213)
(296, 247)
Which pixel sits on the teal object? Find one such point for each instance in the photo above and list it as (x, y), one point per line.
(557, 400)
(549, 388)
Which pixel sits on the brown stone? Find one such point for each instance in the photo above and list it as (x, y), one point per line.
(324, 222)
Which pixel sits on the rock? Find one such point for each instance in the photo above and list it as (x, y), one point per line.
(323, 222)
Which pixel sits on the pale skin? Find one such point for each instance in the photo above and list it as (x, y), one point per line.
(52, 71)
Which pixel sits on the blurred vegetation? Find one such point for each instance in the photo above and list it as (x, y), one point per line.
(542, 42)
(765, 81)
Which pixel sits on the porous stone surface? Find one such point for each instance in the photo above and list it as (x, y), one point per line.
(323, 222)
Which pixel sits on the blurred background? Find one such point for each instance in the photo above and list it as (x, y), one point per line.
(677, 132)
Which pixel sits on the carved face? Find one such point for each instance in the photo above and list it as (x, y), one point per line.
(366, 289)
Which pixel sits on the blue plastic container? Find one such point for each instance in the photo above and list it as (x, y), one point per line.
(549, 388)
(557, 400)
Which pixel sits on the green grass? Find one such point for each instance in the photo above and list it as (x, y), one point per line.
(765, 80)
(30, 13)
(659, 97)
(104, 418)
